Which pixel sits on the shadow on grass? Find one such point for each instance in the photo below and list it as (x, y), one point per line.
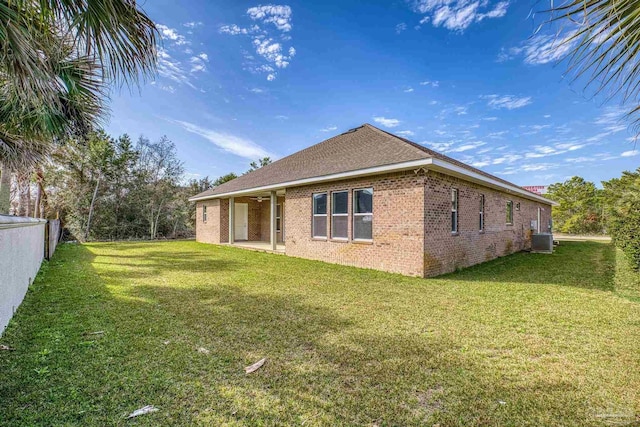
(323, 366)
(589, 265)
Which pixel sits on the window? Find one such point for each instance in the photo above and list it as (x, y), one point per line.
(278, 217)
(454, 210)
(363, 214)
(481, 215)
(509, 212)
(340, 215)
(320, 215)
(204, 214)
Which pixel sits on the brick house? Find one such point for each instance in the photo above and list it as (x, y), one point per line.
(368, 198)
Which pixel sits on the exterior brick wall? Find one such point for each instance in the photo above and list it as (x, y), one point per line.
(216, 228)
(445, 252)
(398, 225)
(411, 224)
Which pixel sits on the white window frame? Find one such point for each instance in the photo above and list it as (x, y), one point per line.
(481, 214)
(314, 215)
(354, 215)
(339, 214)
(509, 212)
(278, 217)
(455, 202)
(204, 213)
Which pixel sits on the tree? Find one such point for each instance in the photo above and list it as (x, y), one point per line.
(56, 61)
(222, 179)
(580, 209)
(158, 174)
(260, 163)
(622, 201)
(603, 40)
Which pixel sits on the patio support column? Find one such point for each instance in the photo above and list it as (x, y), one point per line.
(273, 202)
(232, 216)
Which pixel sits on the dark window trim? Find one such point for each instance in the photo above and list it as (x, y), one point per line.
(314, 215)
(354, 214)
(455, 229)
(339, 239)
(481, 214)
(509, 212)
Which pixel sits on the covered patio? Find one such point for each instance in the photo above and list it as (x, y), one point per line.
(256, 221)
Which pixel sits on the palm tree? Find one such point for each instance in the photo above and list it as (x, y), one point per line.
(603, 40)
(57, 59)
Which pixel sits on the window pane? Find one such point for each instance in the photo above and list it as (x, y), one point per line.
(278, 210)
(363, 201)
(320, 226)
(454, 221)
(362, 227)
(339, 227)
(340, 202)
(320, 203)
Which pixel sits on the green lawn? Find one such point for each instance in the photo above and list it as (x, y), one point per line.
(523, 340)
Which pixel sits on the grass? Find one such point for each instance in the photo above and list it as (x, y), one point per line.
(525, 340)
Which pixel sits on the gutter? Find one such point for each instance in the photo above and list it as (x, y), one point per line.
(431, 163)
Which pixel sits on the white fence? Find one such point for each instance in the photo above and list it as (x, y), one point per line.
(21, 253)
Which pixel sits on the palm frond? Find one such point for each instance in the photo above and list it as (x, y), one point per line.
(604, 43)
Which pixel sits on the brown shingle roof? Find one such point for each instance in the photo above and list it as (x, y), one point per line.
(360, 148)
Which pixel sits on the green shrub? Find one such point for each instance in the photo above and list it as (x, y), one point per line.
(622, 201)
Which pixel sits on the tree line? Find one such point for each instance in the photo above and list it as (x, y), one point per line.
(613, 209)
(105, 188)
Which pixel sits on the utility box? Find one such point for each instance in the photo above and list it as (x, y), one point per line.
(542, 243)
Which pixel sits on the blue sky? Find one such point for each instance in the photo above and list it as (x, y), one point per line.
(241, 80)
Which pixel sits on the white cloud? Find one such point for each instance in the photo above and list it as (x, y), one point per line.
(405, 133)
(171, 34)
(408, 90)
(256, 90)
(230, 143)
(401, 27)
(278, 15)
(390, 123)
(611, 119)
(498, 135)
(468, 146)
(509, 102)
(268, 45)
(541, 48)
(432, 83)
(329, 128)
(272, 52)
(192, 24)
(172, 69)
(630, 153)
(490, 119)
(198, 62)
(235, 30)
(454, 146)
(458, 15)
(507, 158)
